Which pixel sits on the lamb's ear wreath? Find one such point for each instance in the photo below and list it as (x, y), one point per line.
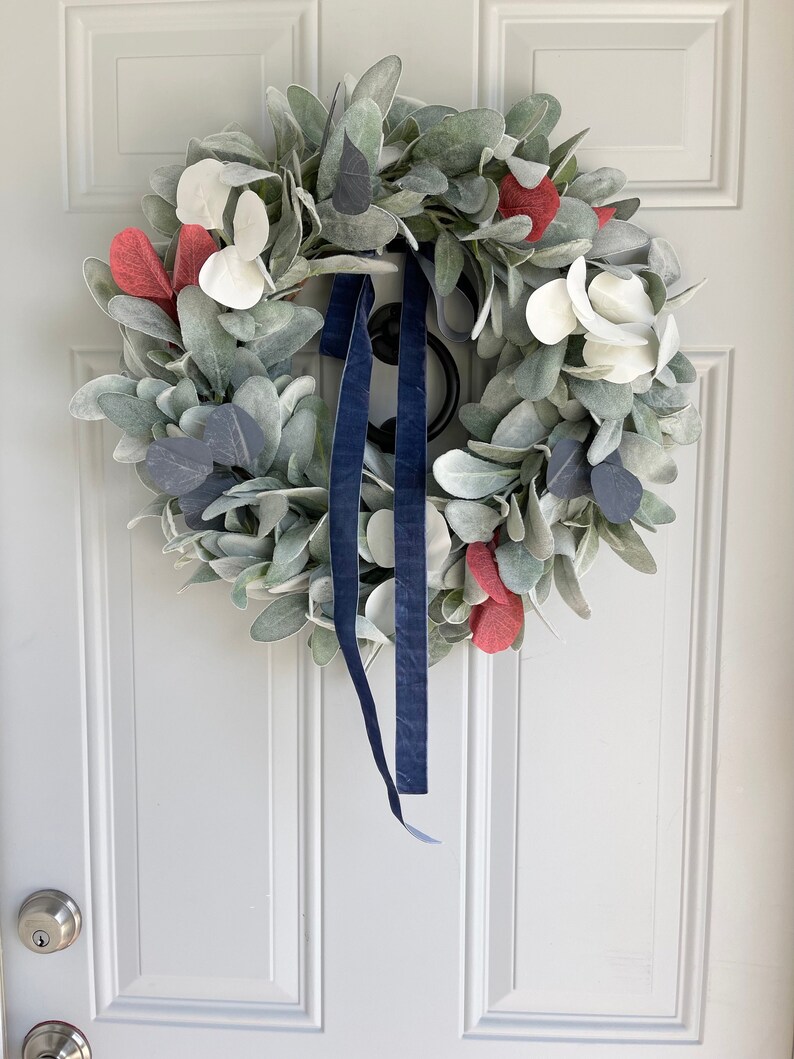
(253, 478)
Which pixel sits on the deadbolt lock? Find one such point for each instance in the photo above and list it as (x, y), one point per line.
(49, 920)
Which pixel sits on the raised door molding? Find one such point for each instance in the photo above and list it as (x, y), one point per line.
(194, 65)
(168, 758)
(638, 872)
(659, 82)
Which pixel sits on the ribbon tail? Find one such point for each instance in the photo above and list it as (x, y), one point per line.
(410, 567)
(347, 459)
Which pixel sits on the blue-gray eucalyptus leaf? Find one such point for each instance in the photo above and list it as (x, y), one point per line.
(233, 436)
(178, 465)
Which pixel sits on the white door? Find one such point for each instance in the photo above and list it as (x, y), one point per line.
(616, 809)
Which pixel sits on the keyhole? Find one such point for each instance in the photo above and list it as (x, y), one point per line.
(41, 938)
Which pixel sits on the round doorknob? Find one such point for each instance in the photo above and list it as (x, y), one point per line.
(49, 920)
(55, 1040)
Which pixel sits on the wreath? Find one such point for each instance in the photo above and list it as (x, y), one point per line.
(258, 484)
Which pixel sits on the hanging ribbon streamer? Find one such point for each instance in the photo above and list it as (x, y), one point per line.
(345, 335)
(410, 556)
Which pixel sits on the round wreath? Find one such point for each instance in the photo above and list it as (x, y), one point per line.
(586, 402)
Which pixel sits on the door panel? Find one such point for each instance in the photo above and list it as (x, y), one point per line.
(615, 807)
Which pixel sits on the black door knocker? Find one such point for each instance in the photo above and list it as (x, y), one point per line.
(384, 330)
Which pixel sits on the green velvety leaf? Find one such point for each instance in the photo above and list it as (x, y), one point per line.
(597, 186)
(645, 421)
(84, 403)
(519, 570)
(297, 442)
(625, 542)
(561, 255)
(567, 581)
(663, 260)
(239, 323)
(379, 83)
(647, 460)
(563, 153)
(277, 345)
(100, 282)
(143, 315)
(521, 427)
(284, 617)
(165, 180)
(683, 369)
(287, 131)
(538, 538)
(537, 375)
(211, 347)
(455, 144)
(528, 174)
(160, 214)
(472, 521)
(617, 237)
(534, 115)
(310, 113)
(574, 220)
(479, 420)
(653, 511)
(234, 145)
(681, 299)
(510, 230)
(324, 645)
(134, 416)
(202, 576)
(607, 439)
(466, 476)
(624, 208)
(449, 260)
(259, 398)
(426, 178)
(367, 231)
(608, 400)
(683, 427)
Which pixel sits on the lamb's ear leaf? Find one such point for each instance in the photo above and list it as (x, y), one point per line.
(84, 403)
(135, 416)
(370, 230)
(143, 315)
(99, 280)
(211, 347)
(456, 143)
(309, 111)
(284, 617)
(379, 83)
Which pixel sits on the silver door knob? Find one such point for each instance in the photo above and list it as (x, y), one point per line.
(49, 920)
(55, 1040)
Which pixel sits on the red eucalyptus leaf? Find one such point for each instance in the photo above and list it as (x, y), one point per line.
(485, 572)
(495, 625)
(540, 203)
(136, 267)
(194, 246)
(604, 214)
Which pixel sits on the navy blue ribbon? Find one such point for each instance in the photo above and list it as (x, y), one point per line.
(410, 555)
(345, 335)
